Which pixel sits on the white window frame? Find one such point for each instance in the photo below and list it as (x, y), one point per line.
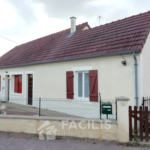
(76, 70)
(83, 85)
(1, 84)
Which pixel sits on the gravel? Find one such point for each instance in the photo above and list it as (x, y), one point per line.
(21, 141)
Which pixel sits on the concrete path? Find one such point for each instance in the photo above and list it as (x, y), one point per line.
(13, 141)
(27, 110)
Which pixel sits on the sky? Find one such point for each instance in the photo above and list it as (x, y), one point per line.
(25, 20)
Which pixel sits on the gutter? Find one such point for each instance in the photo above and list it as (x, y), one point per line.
(136, 79)
(92, 56)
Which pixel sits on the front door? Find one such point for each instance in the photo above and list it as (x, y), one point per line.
(30, 89)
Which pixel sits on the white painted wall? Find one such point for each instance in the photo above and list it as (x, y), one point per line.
(114, 79)
(145, 54)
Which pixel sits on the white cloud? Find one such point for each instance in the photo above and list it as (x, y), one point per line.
(26, 20)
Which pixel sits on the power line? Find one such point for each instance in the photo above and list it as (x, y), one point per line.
(8, 39)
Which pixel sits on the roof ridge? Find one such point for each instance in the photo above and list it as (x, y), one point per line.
(120, 20)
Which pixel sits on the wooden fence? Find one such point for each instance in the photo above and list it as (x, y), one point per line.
(139, 123)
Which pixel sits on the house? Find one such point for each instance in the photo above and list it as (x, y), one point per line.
(79, 63)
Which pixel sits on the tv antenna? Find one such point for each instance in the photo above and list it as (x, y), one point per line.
(99, 20)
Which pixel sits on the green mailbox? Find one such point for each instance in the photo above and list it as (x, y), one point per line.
(106, 108)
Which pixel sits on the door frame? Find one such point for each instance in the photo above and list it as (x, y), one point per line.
(1, 85)
(6, 88)
(26, 88)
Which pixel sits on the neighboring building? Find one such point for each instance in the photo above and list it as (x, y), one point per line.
(80, 63)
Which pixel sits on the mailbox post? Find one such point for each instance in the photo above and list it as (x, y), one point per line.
(107, 109)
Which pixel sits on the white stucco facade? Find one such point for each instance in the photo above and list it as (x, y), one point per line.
(145, 54)
(49, 80)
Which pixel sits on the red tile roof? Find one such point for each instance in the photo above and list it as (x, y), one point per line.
(122, 36)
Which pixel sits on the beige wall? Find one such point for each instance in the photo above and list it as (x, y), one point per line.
(85, 128)
(114, 79)
(95, 130)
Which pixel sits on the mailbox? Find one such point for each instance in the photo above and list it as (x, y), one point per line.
(106, 108)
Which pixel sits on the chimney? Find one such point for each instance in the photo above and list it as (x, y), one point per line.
(73, 25)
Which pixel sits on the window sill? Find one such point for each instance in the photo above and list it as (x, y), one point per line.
(84, 100)
(16, 94)
(81, 99)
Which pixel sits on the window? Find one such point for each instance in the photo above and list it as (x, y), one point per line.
(83, 84)
(18, 84)
(0, 83)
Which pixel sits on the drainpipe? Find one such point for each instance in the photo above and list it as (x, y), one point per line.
(136, 79)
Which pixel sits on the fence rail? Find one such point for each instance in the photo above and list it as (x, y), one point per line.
(57, 107)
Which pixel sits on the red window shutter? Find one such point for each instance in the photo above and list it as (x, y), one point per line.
(20, 84)
(70, 89)
(16, 84)
(0, 83)
(93, 81)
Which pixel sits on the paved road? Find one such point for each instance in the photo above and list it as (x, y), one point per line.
(13, 141)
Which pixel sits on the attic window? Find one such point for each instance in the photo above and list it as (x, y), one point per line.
(86, 28)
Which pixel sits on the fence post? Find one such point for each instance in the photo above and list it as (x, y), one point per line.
(135, 120)
(143, 103)
(130, 123)
(123, 119)
(39, 106)
(146, 124)
(141, 123)
(100, 106)
(116, 109)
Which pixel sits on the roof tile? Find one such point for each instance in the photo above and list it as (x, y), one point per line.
(120, 36)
